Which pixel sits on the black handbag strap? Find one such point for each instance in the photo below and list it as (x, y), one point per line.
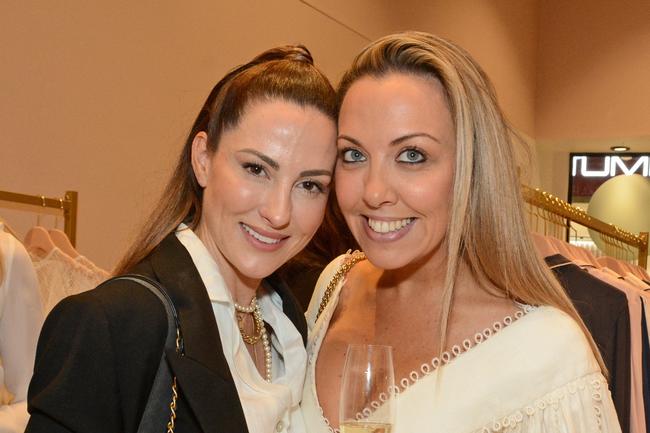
(159, 415)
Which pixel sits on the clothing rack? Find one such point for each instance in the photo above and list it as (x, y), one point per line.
(47, 205)
(565, 211)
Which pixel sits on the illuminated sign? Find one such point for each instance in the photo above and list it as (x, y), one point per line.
(611, 166)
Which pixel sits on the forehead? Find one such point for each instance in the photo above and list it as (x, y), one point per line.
(395, 102)
(281, 128)
(272, 111)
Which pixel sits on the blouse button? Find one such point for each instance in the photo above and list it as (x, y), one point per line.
(279, 426)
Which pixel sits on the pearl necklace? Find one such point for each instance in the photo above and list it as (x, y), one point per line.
(259, 329)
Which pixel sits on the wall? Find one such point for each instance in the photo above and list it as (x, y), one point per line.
(593, 69)
(500, 34)
(97, 96)
(592, 82)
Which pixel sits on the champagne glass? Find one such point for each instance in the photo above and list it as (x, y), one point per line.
(367, 403)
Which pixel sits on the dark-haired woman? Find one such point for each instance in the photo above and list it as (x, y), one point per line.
(248, 193)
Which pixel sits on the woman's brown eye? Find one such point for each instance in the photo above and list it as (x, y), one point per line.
(312, 187)
(254, 169)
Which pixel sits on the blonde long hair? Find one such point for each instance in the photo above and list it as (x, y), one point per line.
(488, 228)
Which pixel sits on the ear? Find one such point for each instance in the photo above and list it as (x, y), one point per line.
(201, 158)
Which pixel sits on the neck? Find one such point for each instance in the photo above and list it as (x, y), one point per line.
(425, 281)
(417, 278)
(242, 288)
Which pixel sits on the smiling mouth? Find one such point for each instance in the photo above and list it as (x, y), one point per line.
(260, 237)
(384, 227)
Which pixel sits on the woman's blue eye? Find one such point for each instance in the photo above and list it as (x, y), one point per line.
(411, 156)
(352, 155)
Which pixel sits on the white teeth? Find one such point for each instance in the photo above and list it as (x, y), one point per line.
(387, 227)
(260, 237)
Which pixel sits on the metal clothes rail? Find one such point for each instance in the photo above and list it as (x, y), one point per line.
(561, 208)
(41, 204)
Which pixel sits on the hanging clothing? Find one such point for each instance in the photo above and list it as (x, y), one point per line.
(637, 410)
(645, 322)
(534, 373)
(101, 273)
(21, 318)
(604, 310)
(59, 276)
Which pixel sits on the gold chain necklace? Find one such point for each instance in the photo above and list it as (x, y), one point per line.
(259, 332)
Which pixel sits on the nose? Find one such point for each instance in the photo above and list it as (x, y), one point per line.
(378, 189)
(276, 207)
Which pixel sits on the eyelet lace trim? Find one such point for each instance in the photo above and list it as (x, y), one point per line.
(447, 356)
(459, 349)
(594, 382)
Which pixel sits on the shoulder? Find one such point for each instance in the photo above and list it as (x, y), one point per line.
(118, 294)
(552, 344)
(534, 356)
(332, 275)
(555, 324)
(553, 377)
(121, 310)
(544, 348)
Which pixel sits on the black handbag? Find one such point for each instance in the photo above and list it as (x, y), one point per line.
(160, 411)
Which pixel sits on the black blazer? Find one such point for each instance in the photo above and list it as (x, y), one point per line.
(98, 353)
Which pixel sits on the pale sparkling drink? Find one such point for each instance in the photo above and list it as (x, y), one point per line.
(365, 427)
(367, 403)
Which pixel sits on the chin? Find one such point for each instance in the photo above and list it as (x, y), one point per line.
(388, 259)
(257, 272)
(261, 268)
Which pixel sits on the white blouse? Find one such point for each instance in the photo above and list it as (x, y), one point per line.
(268, 407)
(531, 373)
(21, 318)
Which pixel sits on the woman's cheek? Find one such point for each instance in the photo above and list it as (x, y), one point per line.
(310, 214)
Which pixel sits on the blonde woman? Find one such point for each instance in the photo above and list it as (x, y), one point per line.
(484, 338)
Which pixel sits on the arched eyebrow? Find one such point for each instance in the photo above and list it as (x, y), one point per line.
(270, 161)
(394, 142)
(409, 136)
(309, 173)
(348, 138)
(275, 165)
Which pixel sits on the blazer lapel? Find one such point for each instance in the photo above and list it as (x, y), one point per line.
(290, 305)
(203, 373)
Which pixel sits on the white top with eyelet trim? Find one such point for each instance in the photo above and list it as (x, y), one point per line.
(532, 373)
